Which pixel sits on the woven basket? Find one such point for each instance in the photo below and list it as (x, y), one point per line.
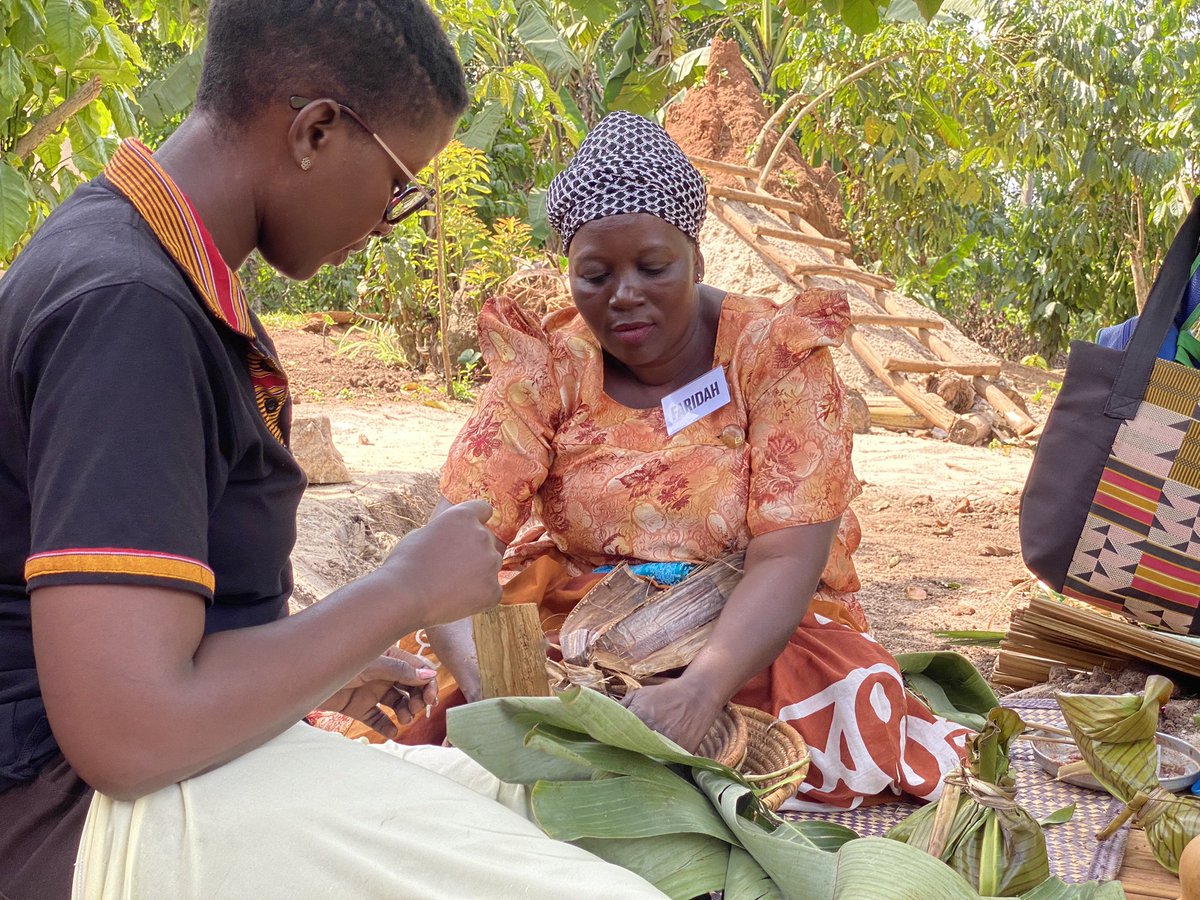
(768, 752)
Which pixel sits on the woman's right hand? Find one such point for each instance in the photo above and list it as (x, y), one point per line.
(449, 566)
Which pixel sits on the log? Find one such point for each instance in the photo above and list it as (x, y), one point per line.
(895, 364)
(811, 240)
(511, 650)
(1018, 419)
(930, 408)
(857, 412)
(952, 388)
(895, 416)
(917, 400)
(716, 165)
(971, 429)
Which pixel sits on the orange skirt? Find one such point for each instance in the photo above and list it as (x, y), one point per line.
(834, 683)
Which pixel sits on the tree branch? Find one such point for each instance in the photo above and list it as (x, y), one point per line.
(57, 117)
(783, 138)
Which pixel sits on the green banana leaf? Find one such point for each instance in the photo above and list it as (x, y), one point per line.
(688, 825)
(1115, 736)
(976, 827)
(950, 686)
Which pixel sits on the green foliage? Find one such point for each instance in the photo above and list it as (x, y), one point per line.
(1033, 156)
(400, 283)
(50, 50)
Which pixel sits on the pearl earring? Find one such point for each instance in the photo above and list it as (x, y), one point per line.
(305, 163)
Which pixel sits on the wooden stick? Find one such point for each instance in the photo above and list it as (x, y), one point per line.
(895, 364)
(716, 165)
(869, 318)
(755, 198)
(57, 117)
(850, 273)
(800, 237)
(787, 132)
(511, 650)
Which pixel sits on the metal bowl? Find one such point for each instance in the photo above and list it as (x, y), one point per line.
(1046, 755)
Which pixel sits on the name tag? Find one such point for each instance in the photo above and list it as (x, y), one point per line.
(695, 400)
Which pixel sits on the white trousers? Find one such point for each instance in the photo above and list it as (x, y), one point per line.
(312, 814)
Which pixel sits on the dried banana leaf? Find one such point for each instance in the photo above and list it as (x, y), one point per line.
(672, 615)
(976, 827)
(606, 604)
(1116, 737)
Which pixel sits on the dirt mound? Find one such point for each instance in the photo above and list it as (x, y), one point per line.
(723, 117)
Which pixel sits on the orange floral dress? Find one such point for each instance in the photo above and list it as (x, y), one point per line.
(578, 480)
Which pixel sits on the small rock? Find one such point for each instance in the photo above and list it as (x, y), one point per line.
(312, 445)
(364, 440)
(1007, 489)
(963, 505)
(962, 609)
(912, 592)
(880, 507)
(893, 561)
(944, 530)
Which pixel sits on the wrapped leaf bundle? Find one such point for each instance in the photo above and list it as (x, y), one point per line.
(603, 780)
(1116, 737)
(976, 827)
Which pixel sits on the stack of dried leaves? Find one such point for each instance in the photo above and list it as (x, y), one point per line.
(627, 630)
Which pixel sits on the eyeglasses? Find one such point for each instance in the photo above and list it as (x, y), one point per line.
(406, 200)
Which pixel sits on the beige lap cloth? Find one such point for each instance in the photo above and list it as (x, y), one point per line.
(312, 814)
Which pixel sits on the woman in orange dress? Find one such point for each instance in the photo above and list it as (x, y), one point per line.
(570, 445)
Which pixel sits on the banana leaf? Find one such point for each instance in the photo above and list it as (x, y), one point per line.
(1116, 738)
(976, 827)
(950, 686)
(687, 824)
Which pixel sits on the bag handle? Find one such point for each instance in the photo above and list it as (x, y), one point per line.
(1162, 305)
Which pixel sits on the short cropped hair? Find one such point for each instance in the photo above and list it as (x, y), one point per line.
(386, 59)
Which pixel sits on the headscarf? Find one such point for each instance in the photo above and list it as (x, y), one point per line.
(627, 164)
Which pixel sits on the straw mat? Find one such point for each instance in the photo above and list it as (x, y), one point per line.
(1075, 855)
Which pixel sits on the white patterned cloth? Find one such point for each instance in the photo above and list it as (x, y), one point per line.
(627, 164)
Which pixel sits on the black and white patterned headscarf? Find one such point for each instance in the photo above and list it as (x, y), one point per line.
(627, 164)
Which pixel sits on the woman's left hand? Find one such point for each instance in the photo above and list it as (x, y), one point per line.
(676, 710)
(399, 681)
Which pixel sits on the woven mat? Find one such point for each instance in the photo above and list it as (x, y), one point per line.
(1075, 856)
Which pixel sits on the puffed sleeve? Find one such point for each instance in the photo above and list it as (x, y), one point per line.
(799, 436)
(503, 452)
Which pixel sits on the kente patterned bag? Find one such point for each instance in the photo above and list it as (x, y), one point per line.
(1111, 510)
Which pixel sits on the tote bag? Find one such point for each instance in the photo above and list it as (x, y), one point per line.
(1111, 510)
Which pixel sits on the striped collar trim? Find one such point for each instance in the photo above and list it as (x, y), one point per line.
(133, 171)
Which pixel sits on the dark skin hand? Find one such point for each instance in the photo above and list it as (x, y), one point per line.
(140, 698)
(782, 571)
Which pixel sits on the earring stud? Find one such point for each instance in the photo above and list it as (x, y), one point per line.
(305, 163)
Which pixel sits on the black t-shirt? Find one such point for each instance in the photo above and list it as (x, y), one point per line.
(132, 447)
